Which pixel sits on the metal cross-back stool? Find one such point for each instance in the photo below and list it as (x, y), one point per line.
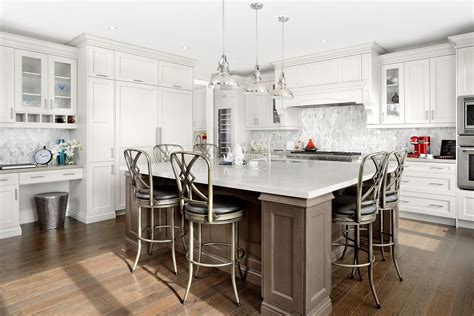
(389, 203)
(359, 210)
(211, 151)
(207, 209)
(162, 152)
(151, 197)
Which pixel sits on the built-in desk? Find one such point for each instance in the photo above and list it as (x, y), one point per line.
(17, 188)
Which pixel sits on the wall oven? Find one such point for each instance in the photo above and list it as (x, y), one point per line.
(466, 162)
(465, 122)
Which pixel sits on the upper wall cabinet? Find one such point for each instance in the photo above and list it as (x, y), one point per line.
(136, 68)
(175, 76)
(465, 71)
(100, 62)
(443, 89)
(393, 105)
(62, 85)
(417, 91)
(7, 112)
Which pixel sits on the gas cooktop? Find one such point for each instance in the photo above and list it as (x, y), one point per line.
(325, 155)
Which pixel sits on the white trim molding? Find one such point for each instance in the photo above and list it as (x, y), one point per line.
(462, 40)
(417, 53)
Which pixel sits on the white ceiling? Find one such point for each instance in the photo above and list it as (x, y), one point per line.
(170, 25)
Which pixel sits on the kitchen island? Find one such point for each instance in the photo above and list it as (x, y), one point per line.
(287, 230)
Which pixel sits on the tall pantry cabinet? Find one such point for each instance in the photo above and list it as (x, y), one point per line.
(130, 97)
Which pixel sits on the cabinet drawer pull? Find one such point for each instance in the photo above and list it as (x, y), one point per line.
(403, 201)
(434, 183)
(45, 104)
(112, 169)
(16, 194)
(437, 168)
(404, 181)
(51, 104)
(435, 205)
(36, 177)
(99, 75)
(432, 114)
(11, 113)
(137, 80)
(69, 174)
(426, 115)
(175, 86)
(112, 152)
(4, 179)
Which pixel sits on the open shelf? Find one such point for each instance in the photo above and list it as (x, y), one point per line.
(31, 73)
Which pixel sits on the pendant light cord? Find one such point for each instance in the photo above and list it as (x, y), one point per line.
(282, 45)
(256, 37)
(223, 29)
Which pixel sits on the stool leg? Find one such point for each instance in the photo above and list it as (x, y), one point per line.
(190, 255)
(392, 241)
(345, 246)
(199, 247)
(232, 258)
(357, 246)
(173, 253)
(139, 238)
(152, 230)
(381, 230)
(242, 276)
(371, 267)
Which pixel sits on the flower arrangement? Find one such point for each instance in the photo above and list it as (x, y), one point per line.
(68, 148)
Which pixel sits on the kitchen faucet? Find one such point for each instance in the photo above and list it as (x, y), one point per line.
(269, 149)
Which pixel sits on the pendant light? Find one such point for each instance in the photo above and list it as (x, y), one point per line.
(223, 79)
(280, 90)
(257, 87)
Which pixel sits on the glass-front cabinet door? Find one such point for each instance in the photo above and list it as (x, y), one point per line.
(31, 82)
(393, 108)
(62, 85)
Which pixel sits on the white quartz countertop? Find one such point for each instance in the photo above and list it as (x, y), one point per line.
(302, 179)
(421, 160)
(47, 168)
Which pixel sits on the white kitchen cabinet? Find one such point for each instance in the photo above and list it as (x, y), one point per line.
(31, 82)
(101, 119)
(62, 85)
(199, 109)
(175, 76)
(100, 189)
(465, 70)
(7, 103)
(100, 62)
(466, 205)
(9, 211)
(258, 111)
(443, 89)
(176, 117)
(417, 91)
(393, 106)
(134, 68)
(137, 106)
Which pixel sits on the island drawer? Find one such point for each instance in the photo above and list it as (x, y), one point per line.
(429, 183)
(9, 179)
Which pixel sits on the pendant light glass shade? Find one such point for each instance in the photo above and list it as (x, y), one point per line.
(257, 87)
(281, 91)
(223, 79)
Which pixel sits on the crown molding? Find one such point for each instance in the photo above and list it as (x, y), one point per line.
(95, 40)
(462, 40)
(31, 44)
(417, 53)
(371, 47)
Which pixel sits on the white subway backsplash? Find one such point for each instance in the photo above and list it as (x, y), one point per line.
(344, 128)
(18, 145)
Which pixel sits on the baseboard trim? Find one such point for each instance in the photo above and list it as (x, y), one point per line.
(428, 218)
(465, 224)
(88, 219)
(10, 232)
(28, 216)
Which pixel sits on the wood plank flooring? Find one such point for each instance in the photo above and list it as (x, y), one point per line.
(84, 269)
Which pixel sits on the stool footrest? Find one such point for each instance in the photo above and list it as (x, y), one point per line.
(240, 252)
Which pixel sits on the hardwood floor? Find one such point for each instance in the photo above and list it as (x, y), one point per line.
(83, 269)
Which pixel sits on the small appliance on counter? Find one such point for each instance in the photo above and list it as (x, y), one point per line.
(448, 150)
(421, 146)
(200, 137)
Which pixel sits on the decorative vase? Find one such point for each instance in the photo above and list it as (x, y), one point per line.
(310, 146)
(70, 160)
(395, 98)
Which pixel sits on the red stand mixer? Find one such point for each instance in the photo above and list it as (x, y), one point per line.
(421, 146)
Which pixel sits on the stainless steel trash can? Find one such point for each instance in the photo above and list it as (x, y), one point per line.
(51, 209)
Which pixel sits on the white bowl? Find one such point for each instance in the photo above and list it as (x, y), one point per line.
(253, 163)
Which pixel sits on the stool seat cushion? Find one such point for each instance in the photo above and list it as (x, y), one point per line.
(391, 197)
(223, 204)
(162, 192)
(346, 205)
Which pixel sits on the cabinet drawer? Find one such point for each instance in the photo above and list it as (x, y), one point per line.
(425, 183)
(436, 205)
(136, 68)
(50, 176)
(100, 62)
(175, 76)
(430, 167)
(9, 179)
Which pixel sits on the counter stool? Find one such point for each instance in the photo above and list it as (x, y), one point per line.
(389, 203)
(207, 209)
(162, 152)
(360, 210)
(150, 197)
(211, 151)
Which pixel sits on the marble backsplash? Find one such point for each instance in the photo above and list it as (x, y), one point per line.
(18, 145)
(343, 128)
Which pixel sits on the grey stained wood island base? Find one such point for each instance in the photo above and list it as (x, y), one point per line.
(287, 230)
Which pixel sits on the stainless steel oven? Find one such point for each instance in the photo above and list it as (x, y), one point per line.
(465, 122)
(466, 162)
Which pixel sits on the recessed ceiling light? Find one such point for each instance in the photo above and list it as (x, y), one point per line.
(186, 47)
(323, 41)
(112, 27)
